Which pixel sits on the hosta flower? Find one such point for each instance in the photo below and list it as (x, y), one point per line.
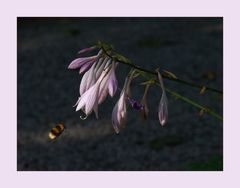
(98, 81)
(163, 105)
(119, 113)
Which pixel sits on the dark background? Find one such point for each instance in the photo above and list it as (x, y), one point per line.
(191, 48)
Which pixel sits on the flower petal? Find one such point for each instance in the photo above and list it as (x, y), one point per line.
(163, 105)
(86, 66)
(112, 82)
(87, 81)
(77, 63)
(85, 50)
(119, 113)
(81, 103)
(103, 90)
(91, 98)
(163, 109)
(100, 69)
(115, 122)
(83, 83)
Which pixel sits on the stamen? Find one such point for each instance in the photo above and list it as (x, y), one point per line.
(83, 118)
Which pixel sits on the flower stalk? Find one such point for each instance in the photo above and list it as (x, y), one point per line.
(99, 80)
(164, 75)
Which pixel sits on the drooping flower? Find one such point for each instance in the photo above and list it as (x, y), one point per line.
(98, 80)
(163, 104)
(119, 113)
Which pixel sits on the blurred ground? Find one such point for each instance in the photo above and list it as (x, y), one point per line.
(191, 48)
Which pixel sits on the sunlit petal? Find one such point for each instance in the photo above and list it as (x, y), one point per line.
(91, 98)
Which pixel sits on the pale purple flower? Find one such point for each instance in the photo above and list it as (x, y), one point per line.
(96, 83)
(119, 113)
(163, 105)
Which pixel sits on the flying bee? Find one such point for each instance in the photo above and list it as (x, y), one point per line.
(56, 131)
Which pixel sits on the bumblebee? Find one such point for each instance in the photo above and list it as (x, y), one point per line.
(56, 131)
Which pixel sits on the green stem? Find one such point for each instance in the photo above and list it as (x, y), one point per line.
(189, 101)
(142, 72)
(207, 110)
(163, 75)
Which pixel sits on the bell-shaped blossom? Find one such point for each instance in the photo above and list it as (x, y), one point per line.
(94, 85)
(163, 105)
(119, 113)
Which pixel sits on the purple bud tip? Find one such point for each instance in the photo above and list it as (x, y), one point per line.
(135, 104)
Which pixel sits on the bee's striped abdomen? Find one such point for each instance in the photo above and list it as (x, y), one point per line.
(56, 131)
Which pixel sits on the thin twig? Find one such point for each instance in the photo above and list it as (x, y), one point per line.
(189, 101)
(164, 76)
